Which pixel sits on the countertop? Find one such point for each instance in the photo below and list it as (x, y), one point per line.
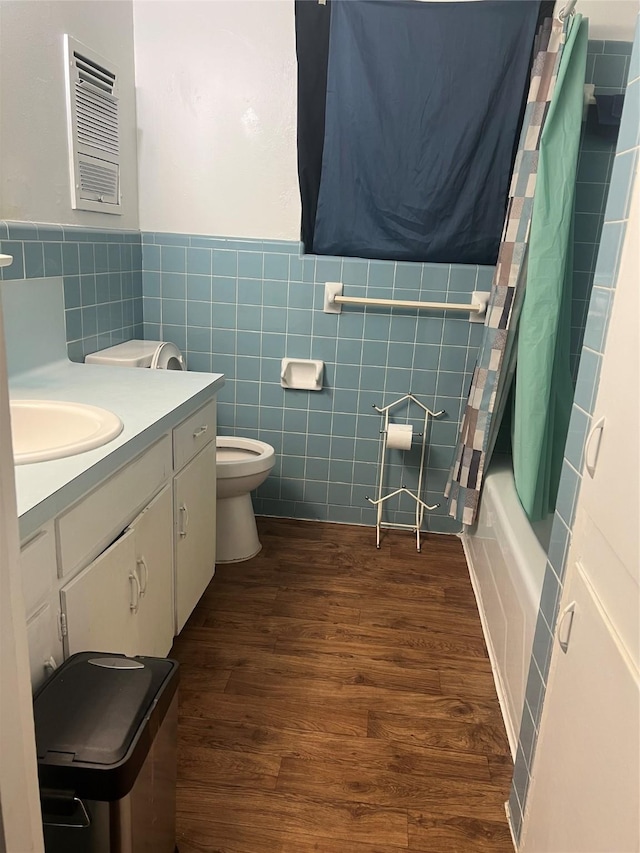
(149, 403)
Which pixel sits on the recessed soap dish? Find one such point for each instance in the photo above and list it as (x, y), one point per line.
(302, 373)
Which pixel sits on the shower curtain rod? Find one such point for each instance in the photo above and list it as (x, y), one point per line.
(567, 10)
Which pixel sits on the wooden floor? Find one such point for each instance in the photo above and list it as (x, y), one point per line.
(339, 699)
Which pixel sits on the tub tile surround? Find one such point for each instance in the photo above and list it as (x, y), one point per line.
(102, 272)
(602, 296)
(240, 306)
(608, 65)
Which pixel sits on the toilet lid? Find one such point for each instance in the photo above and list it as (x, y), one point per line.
(167, 357)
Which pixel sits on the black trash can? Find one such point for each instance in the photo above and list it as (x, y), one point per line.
(106, 735)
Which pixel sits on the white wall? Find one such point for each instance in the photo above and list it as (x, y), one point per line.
(216, 93)
(614, 20)
(34, 164)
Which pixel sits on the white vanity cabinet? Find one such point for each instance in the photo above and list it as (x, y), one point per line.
(123, 601)
(98, 604)
(154, 573)
(38, 565)
(194, 509)
(122, 567)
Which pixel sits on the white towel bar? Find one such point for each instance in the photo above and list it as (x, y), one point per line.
(334, 300)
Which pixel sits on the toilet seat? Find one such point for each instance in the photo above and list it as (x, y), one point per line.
(167, 357)
(242, 457)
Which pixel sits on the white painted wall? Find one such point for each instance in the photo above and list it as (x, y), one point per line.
(614, 20)
(216, 84)
(34, 164)
(216, 93)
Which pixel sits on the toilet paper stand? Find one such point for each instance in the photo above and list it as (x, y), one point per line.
(379, 502)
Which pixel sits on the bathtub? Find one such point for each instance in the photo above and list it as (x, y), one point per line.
(507, 558)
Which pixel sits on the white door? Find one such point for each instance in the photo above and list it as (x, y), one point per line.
(154, 566)
(101, 602)
(585, 797)
(20, 819)
(585, 789)
(194, 530)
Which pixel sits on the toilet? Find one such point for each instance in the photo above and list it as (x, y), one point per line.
(242, 465)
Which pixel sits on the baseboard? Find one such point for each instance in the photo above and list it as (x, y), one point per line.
(507, 809)
(497, 678)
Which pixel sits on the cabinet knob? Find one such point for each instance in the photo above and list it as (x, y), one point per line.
(201, 431)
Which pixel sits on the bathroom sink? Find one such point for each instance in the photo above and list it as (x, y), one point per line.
(49, 429)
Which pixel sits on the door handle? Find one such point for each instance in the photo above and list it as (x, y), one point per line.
(200, 431)
(565, 624)
(592, 447)
(134, 604)
(145, 575)
(184, 515)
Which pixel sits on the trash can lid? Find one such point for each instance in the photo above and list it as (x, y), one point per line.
(100, 712)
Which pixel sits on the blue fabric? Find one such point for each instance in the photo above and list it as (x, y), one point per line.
(422, 114)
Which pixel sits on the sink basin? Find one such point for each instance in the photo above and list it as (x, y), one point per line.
(49, 429)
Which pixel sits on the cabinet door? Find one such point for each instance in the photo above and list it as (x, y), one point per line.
(586, 778)
(100, 603)
(585, 786)
(154, 566)
(606, 530)
(38, 569)
(194, 530)
(45, 646)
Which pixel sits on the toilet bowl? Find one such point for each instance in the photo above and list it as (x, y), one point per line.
(242, 464)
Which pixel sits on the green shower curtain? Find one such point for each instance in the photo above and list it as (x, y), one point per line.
(543, 386)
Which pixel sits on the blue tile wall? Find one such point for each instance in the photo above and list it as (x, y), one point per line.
(240, 306)
(608, 69)
(593, 348)
(102, 274)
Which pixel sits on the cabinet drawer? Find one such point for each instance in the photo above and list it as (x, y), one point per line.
(88, 527)
(193, 434)
(38, 568)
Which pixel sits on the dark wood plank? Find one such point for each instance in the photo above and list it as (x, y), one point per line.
(215, 768)
(457, 834)
(332, 717)
(273, 810)
(344, 782)
(213, 836)
(336, 698)
(444, 733)
(385, 756)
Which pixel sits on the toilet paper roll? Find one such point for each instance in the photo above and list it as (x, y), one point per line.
(399, 436)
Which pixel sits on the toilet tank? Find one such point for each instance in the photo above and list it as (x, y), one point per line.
(127, 354)
(139, 354)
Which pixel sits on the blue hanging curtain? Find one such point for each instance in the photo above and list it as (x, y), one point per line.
(544, 390)
(312, 49)
(487, 395)
(423, 106)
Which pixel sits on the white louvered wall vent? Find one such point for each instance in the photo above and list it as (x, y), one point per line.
(94, 129)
